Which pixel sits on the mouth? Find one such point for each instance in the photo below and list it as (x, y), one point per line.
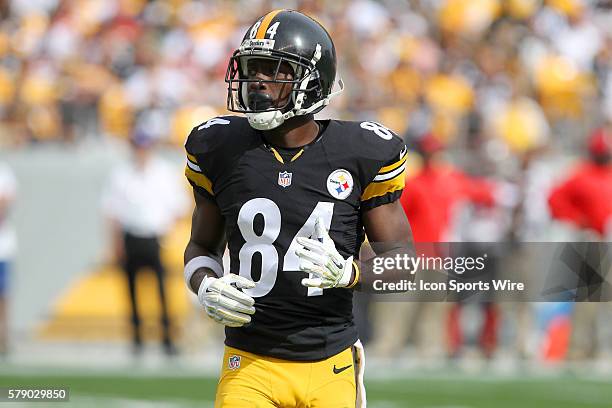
(259, 101)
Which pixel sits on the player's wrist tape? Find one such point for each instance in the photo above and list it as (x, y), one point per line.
(357, 275)
(202, 262)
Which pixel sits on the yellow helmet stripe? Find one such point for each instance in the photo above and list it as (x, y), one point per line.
(263, 27)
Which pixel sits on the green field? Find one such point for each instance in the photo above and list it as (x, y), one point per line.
(478, 392)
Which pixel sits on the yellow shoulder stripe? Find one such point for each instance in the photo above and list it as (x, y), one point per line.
(199, 179)
(384, 187)
(192, 158)
(263, 27)
(393, 166)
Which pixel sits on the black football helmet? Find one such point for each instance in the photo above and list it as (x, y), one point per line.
(285, 37)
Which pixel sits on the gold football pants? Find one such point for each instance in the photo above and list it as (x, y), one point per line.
(253, 381)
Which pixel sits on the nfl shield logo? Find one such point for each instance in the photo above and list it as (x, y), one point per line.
(284, 179)
(233, 363)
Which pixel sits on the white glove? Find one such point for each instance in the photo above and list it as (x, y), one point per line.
(320, 258)
(224, 303)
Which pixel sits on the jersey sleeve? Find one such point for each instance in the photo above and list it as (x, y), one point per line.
(196, 170)
(213, 148)
(388, 182)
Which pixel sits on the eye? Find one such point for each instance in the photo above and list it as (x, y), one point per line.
(258, 66)
(268, 68)
(285, 71)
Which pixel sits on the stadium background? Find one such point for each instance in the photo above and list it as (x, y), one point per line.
(505, 86)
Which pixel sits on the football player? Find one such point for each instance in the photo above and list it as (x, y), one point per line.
(292, 198)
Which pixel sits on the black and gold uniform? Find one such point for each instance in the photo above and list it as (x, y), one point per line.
(270, 196)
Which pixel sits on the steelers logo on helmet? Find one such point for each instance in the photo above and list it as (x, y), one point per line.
(340, 184)
(291, 52)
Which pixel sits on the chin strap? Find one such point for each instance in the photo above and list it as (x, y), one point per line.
(272, 119)
(322, 103)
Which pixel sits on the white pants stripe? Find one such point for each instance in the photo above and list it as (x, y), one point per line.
(359, 371)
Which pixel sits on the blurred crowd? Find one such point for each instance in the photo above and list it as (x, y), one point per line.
(530, 70)
(504, 93)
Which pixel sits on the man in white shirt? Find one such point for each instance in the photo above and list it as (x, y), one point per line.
(142, 203)
(8, 243)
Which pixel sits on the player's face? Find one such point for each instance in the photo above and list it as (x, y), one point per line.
(264, 95)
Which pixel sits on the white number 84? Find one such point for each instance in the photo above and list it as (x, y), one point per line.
(264, 243)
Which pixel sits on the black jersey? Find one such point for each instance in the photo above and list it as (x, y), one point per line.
(269, 200)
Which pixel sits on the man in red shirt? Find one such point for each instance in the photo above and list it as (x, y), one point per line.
(430, 200)
(584, 199)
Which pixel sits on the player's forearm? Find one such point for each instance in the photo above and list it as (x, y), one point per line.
(390, 237)
(370, 269)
